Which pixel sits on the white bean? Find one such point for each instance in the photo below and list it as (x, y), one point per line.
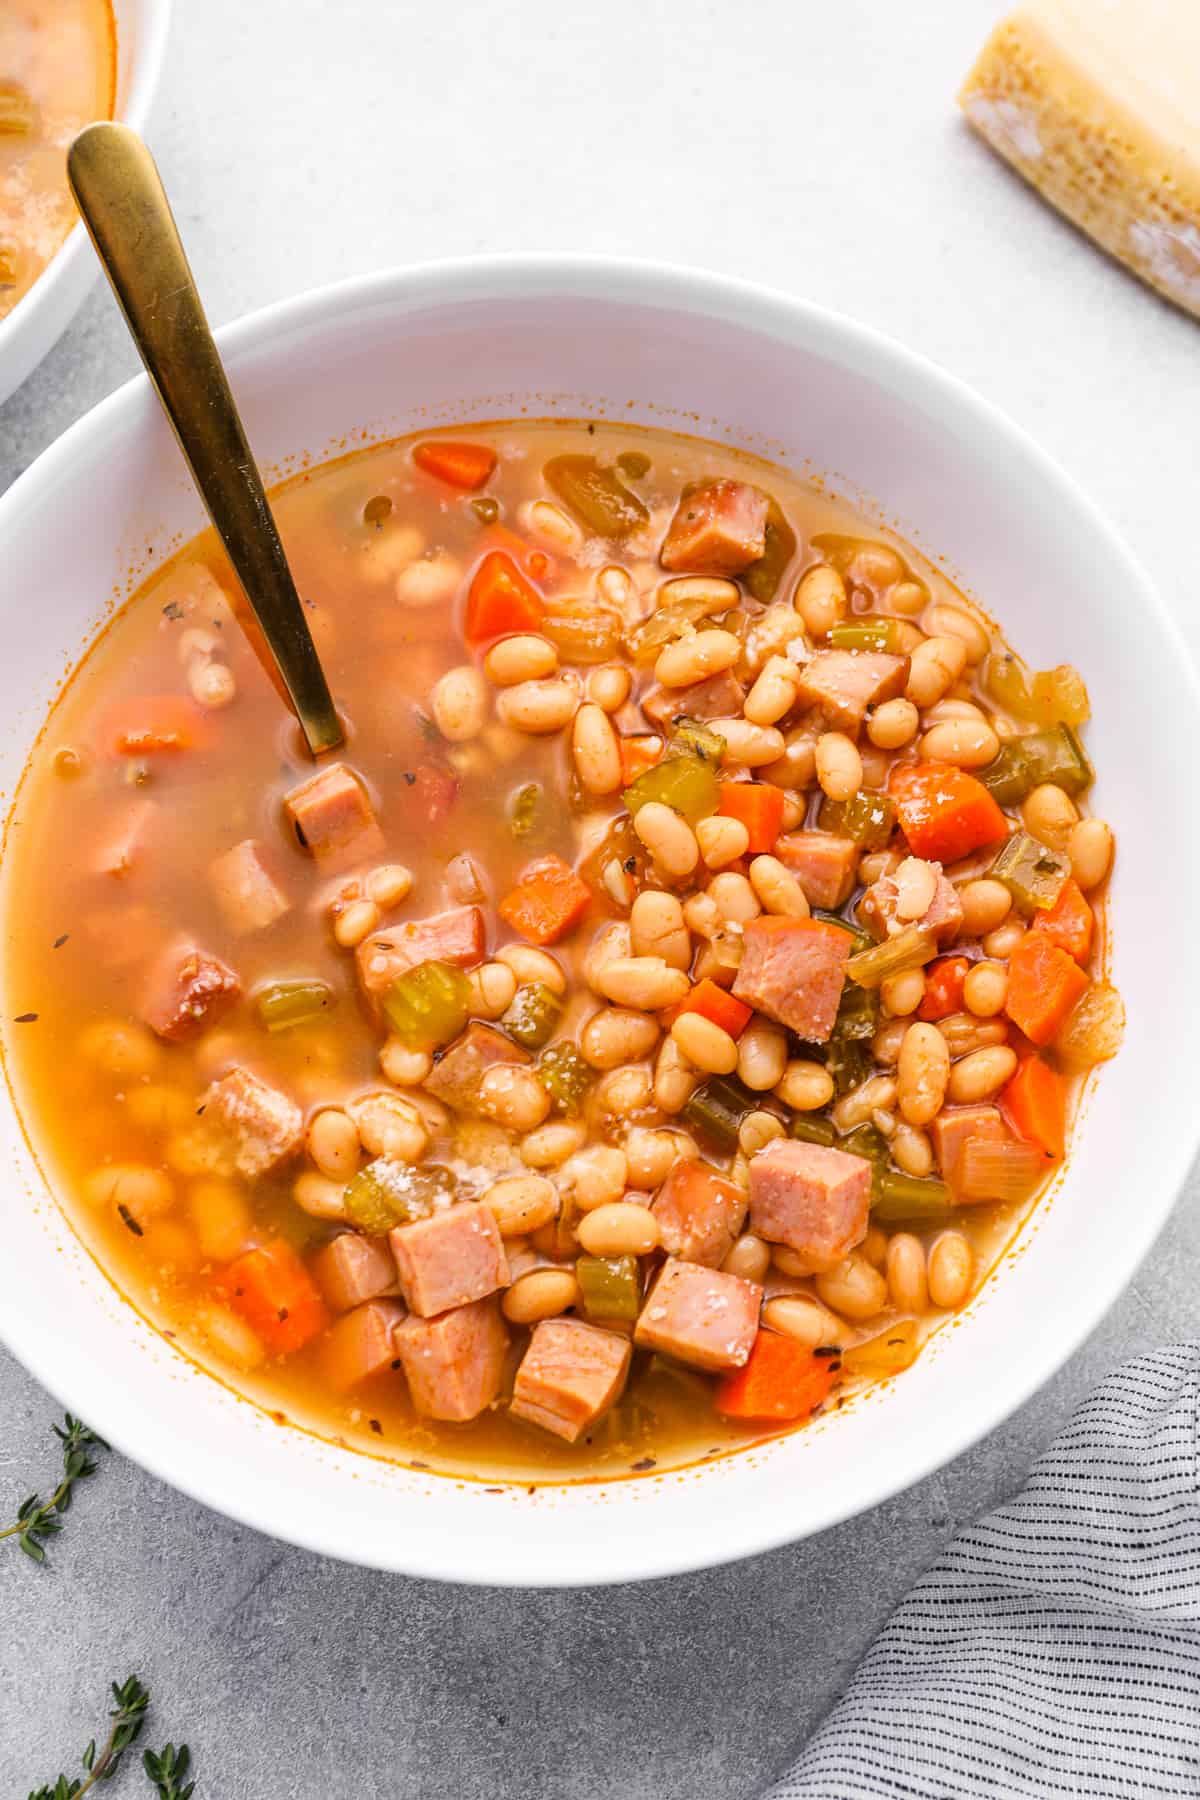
(668, 837)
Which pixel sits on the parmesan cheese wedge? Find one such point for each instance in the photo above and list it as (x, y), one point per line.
(1097, 103)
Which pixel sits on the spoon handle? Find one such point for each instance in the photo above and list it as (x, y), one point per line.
(120, 194)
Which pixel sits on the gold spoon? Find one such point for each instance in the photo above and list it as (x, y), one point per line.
(120, 194)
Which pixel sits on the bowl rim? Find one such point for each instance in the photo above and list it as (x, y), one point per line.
(620, 280)
(150, 50)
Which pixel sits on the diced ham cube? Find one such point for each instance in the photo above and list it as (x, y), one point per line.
(794, 970)
(957, 1126)
(186, 991)
(718, 697)
(454, 1363)
(826, 866)
(814, 1200)
(844, 683)
(361, 1344)
(700, 1316)
(698, 1214)
(353, 1269)
(943, 916)
(456, 936)
(455, 1077)
(569, 1376)
(719, 528)
(449, 1259)
(333, 818)
(266, 1127)
(125, 840)
(248, 895)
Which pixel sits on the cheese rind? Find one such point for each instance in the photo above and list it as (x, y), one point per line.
(1097, 104)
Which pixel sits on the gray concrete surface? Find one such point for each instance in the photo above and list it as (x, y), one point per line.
(812, 147)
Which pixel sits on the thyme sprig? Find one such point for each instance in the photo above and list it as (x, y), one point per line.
(128, 1717)
(168, 1772)
(39, 1519)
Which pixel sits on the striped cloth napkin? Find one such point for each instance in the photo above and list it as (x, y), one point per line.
(1054, 1649)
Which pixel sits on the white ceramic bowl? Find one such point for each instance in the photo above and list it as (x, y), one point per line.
(385, 355)
(40, 317)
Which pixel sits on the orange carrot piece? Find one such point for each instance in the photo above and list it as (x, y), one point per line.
(718, 1007)
(149, 724)
(944, 812)
(465, 466)
(1044, 983)
(1035, 1105)
(547, 900)
(1069, 923)
(500, 601)
(275, 1294)
(943, 988)
(637, 755)
(759, 807)
(781, 1380)
(530, 560)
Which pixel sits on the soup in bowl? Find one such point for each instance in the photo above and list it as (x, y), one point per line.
(611, 1072)
(63, 64)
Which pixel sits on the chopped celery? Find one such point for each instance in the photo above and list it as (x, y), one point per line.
(282, 1004)
(1027, 762)
(812, 1128)
(1033, 873)
(634, 463)
(486, 510)
(692, 738)
(533, 1016)
(887, 1353)
(687, 784)
(595, 495)
(428, 1005)
(911, 949)
(377, 509)
(565, 1076)
(610, 1286)
(862, 940)
(858, 1013)
(527, 810)
(866, 817)
(866, 1141)
(716, 1109)
(762, 578)
(848, 1060)
(899, 1199)
(388, 1193)
(1049, 697)
(584, 637)
(864, 633)
(18, 113)
(673, 618)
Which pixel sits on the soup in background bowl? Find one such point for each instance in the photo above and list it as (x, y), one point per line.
(63, 63)
(702, 381)
(58, 70)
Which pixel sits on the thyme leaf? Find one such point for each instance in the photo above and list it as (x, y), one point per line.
(39, 1519)
(128, 1717)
